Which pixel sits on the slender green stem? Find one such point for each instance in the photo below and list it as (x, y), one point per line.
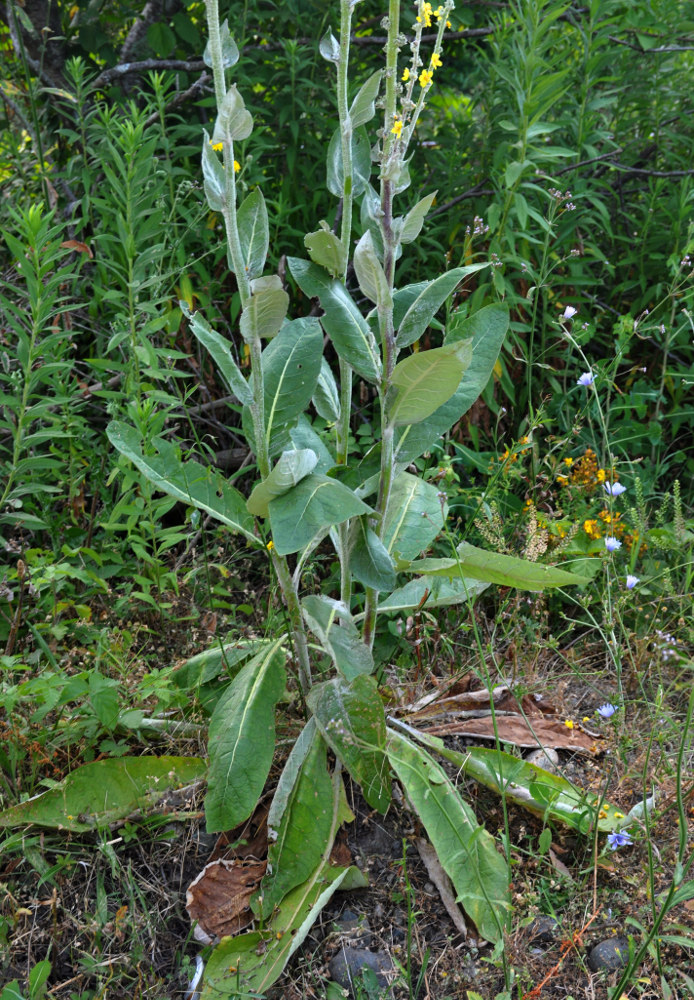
(257, 407)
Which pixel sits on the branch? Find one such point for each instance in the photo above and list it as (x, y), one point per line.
(472, 193)
(649, 52)
(654, 173)
(109, 75)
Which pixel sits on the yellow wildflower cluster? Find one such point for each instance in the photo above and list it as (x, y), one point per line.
(585, 472)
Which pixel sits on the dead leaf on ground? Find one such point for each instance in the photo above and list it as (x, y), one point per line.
(442, 883)
(536, 732)
(249, 840)
(219, 898)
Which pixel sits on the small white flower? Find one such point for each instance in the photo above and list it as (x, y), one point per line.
(569, 313)
(632, 581)
(612, 543)
(615, 489)
(585, 379)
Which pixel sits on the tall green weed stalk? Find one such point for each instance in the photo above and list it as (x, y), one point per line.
(313, 489)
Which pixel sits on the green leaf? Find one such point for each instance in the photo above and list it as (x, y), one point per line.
(369, 560)
(361, 163)
(466, 851)
(304, 436)
(220, 352)
(291, 364)
(206, 666)
(414, 220)
(188, 481)
(241, 742)
(350, 716)
(264, 314)
(329, 47)
(363, 106)
(487, 329)
(233, 122)
(292, 467)
(327, 250)
(370, 275)
(326, 397)
(254, 233)
(213, 176)
(428, 302)
(425, 381)
(541, 792)
(331, 623)
(432, 592)
(317, 502)
(344, 324)
(298, 831)
(230, 52)
(107, 791)
(248, 964)
(493, 567)
(414, 517)
(161, 39)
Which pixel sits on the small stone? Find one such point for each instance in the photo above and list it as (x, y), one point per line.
(542, 930)
(613, 953)
(547, 758)
(355, 926)
(346, 966)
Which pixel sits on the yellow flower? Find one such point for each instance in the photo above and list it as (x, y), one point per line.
(568, 461)
(562, 480)
(425, 78)
(270, 546)
(397, 127)
(569, 724)
(436, 60)
(217, 146)
(406, 74)
(591, 528)
(619, 815)
(600, 475)
(237, 166)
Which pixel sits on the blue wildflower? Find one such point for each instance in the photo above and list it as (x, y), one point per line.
(620, 838)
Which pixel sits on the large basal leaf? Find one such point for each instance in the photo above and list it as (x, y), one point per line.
(494, 567)
(248, 965)
(105, 792)
(369, 559)
(264, 314)
(188, 481)
(342, 321)
(486, 329)
(541, 792)
(292, 467)
(414, 518)
(361, 163)
(317, 502)
(241, 739)
(466, 851)
(220, 351)
(424, 381)
(299, 832)
(291, 365)
(351, 718)
(208, 665)
(425, 306)
(331, 623)
(432, 592)
(254, 233)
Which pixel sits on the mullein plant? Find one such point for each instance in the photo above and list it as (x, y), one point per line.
(376, 513)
